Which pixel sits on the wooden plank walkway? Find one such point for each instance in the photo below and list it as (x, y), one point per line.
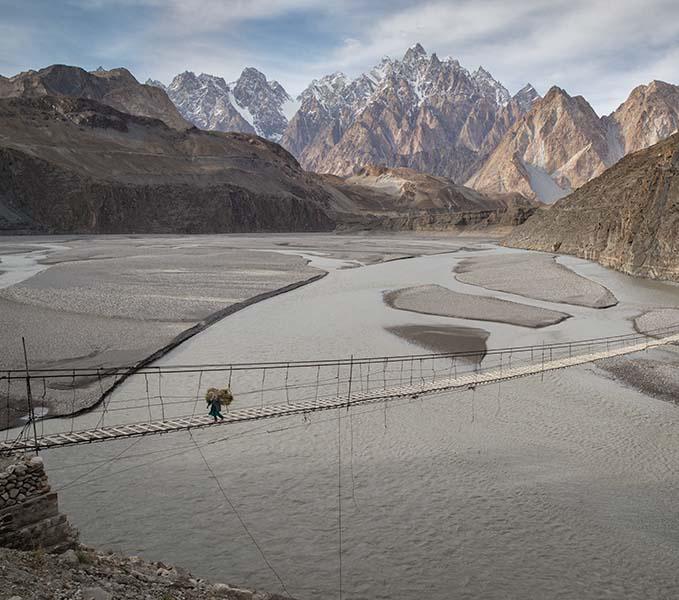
(254, 413)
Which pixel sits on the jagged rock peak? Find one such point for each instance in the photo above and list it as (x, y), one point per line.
(489, 86)
(526, 96)
(418, 111)
(251, 104)
(415, 53)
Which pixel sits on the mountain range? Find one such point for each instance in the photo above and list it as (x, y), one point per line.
(435, 116)
(99, 152)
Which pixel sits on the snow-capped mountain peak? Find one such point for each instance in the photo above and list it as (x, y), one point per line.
(251, 104)
(490, 86)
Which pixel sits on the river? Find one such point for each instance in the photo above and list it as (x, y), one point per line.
(556, 487)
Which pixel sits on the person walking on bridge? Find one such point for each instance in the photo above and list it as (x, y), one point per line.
(215, 404)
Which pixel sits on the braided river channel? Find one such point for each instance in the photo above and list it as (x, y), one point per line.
(560, 486)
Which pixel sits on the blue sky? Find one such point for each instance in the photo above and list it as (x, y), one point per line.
(600, 49)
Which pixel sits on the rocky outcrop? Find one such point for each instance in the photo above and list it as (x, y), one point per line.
(29, 511)
(75, 165)
(379, 197)
(117, 88)
(93, 575)
(419, 112)
(627, 218)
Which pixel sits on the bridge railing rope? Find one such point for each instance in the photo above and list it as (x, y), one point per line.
(134, 395)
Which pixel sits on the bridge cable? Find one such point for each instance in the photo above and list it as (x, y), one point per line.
(339, 497)
(257, 430)
(104, 403)
(9, 390)
(242, 522)
(351, 457)
(148, 398)
(287, 392)
(318, 375)
(73, 403)
(367, 376)
(195, 404)
(473, 407)
(262, 390)
(42, 401)
(108, 462)
(497, 412)
(160, 394)
(384, 372)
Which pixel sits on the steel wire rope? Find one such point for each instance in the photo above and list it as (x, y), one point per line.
(280, 365)
(242, 522)
(339, 498)
(148, 398)
(73, 402)
(42, 401)
(93, 470)
(195, 404)
(160, 394)
(254, 431)
(9, 391)
(287, 391)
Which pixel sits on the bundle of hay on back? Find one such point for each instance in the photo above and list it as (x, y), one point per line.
(224, 395)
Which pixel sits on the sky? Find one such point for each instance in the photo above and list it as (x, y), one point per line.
(598, 49)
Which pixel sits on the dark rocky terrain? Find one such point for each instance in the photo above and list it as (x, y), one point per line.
(88, 574)
(117, 88)
(77, 165)
(627, 218)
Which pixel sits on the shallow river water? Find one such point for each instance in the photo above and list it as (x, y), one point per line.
(556, 487)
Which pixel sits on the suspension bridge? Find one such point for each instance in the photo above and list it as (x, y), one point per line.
(308, 386)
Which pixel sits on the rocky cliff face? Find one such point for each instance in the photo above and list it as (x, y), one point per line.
(117, 88)
(627, 218)
(561, 143)
(76, 165)
(251, 104)
(556, 147)
(419, 112)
